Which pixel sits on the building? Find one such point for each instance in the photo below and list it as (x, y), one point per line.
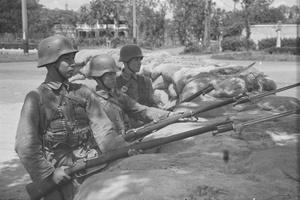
(101, 30)
(87, 31)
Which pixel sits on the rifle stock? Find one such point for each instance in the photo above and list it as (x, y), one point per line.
(38, 189)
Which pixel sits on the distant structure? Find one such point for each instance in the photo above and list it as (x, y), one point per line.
(98, 30)
(263, 31)
(101, 30)
(87, 31)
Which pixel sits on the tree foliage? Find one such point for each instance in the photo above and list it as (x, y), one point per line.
(40, 20)
(188, 18)
(10, 16)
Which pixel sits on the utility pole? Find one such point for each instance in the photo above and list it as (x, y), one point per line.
(25, 27)
(206, 40)
(134, 22)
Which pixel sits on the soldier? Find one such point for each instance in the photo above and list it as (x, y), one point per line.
(61, 122)
(114, 101)
(137, 86)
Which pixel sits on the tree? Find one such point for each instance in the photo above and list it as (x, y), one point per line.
(10, 16)
(153, 26)
(188, 18)
(217, 22)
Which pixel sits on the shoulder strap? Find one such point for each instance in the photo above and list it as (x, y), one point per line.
(43, 123)
(143, 90)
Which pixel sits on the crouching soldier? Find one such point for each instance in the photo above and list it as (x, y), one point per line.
(115, 102)
(61, 122)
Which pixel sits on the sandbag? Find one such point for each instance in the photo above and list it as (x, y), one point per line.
(167, 70)
(160, 83)
(172, 90)
(195, 84)
(178, 80)
(180, 77)
(161, 97)
(232, 88)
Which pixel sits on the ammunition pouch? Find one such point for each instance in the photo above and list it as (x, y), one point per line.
(65, 139)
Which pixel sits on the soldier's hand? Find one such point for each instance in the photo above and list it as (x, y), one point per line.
(186, 119)
(133, 152)
(59, 176)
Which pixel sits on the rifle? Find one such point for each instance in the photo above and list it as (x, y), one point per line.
(147, 129)
(209, 87)
(38, 189)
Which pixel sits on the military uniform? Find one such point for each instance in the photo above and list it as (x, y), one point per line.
(61, 122)
(138, 87)
(118, 105)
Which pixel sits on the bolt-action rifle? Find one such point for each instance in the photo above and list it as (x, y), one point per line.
(39, 189)
(134, 134)
(210, 87)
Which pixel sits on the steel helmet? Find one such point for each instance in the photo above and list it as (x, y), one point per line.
(51, 48)
(101, 64)
(130, 51)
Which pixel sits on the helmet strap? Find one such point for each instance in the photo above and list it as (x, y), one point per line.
(56, 67)
(128, 67)
(99, 80)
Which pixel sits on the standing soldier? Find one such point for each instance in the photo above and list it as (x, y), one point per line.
(61, 122)
(137, 86)
(114, 101)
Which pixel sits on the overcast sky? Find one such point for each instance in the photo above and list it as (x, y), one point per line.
(75, 4)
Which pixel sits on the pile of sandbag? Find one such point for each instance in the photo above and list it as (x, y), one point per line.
(175, 78)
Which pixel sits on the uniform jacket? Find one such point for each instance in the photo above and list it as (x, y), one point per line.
(118, 105)
(40, 115)
(138, 87)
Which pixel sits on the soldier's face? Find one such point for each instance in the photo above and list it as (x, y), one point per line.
(65, 65)
(135, 64)
(109, 80)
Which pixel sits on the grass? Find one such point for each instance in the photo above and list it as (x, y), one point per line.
(17, 57)
(256, 55)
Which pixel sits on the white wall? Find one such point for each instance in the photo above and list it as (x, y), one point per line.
(259, 32)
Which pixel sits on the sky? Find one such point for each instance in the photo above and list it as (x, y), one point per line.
(75, 4)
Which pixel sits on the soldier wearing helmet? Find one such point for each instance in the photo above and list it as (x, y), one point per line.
(115, 102)
(136, 86)
(61, 122)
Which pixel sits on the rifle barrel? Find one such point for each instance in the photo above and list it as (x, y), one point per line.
(268, 118)
(243, 100)
(135, 134)
(275, 91)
